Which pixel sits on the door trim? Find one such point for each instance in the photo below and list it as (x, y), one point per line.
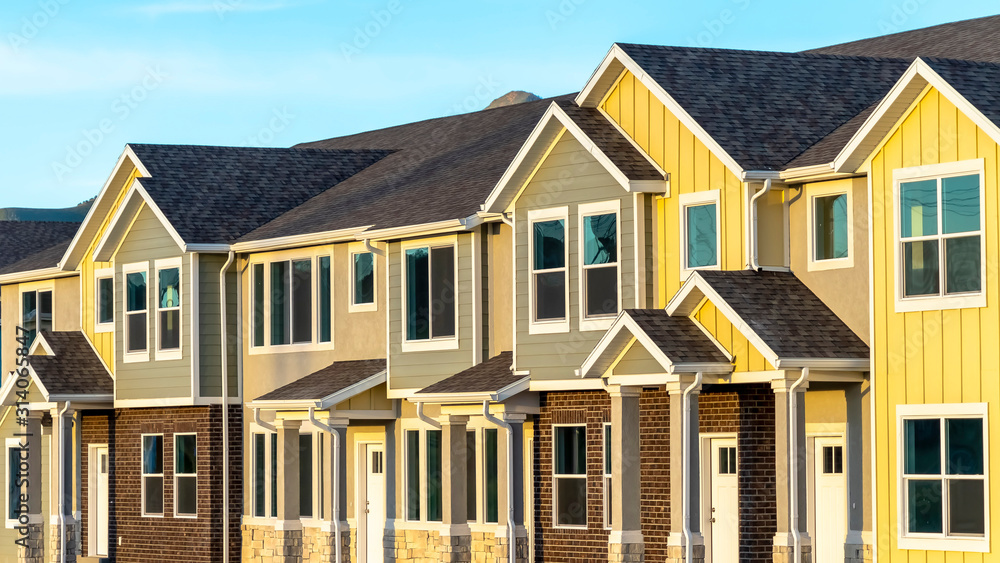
(92, 477)
(705, 463)
(361, 476)
(840, 437)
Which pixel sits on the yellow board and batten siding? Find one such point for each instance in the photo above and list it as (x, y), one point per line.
(692, 168)
(104, 342)
(928, 357)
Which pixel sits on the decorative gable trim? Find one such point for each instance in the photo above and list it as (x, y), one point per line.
(136, 198)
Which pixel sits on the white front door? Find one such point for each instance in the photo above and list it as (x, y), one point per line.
(372, 505)
(724, 515)
(831, 501)
(99, 510)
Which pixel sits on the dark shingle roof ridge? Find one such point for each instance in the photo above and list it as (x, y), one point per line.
(909, 33)
(764, 52)
(962, 62)
(292, 149)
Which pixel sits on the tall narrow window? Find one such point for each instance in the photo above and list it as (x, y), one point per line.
(306, 475)
(281, 312)
(105, 291)
(430, 293)
(570, 473)
(830, 231)
(152, 475)
(136, 331)
(186, 474)
(412, 475)
(36, 313)
(13, 474)
(257, 279)
(302, 301)
(325, 294)
(492, 469)
(600, 264)
(548, 269)
(259, 476)
(274, 475)
(434, 484)
(168, 306)
(701, 236)
(470, 476)
(364, 278)
(608, 500)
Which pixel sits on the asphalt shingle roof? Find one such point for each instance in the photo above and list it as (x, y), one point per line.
(679, 337)
(765, 108)
(786, 314)
(217, 194)
(74, 369)
(619, 150)
(327, 381)
(978, 82)
(441, 169)
(975, 40)
(33, 245)
(487, 377)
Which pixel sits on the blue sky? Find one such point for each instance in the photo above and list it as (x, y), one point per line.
(79, 79)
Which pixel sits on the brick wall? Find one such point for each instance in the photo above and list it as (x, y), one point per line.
(654, 452)
(166, 538)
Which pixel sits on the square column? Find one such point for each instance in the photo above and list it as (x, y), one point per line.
(625, 544)
(682, 428)
(858, 546)
(458, 542)
(326, 536)
(505, 463)
(288, 528)
(784, 427)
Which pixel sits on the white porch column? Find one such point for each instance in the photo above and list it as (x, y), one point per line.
(783, 550)
(288, 528)
(858, 546)
(681, 429)
(625, 543)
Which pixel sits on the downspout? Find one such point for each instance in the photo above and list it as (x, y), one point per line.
(225, 407)
(507, 220)
(511, 536)
(335, 442)
(686, 470)
(62, 483)
(424, 417)
(794, 462)
(754, 236)
(260, 422)
(372, 249)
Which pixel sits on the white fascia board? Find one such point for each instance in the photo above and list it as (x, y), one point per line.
(424, 229)
(351, 390)
(37, 275)
(544, 133)
(204, 248)
(500, 395)
(840, 364)
(126, 211)
(593, 93)
(40, 342)
(295, 241)
(715, 368)
(67, 262)
(77, 397)
(611, 341)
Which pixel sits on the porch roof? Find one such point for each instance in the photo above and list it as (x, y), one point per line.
(71, 367)
(327, 387)
(492, 380)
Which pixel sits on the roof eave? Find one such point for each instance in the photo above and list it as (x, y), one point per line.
(841, 364)
(37, 275)
(499, 395)
(295, 241)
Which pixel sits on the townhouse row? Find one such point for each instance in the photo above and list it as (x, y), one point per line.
(718, 306)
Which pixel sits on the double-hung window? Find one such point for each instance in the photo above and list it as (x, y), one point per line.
(424, 489)
(186, 474)
(362, 282)
(599, 264)
(36, 312)
(549, 286)
(291, 303)
(570, 475)
(700, 230)
(943, 484)
(265, 475)
(152, 474)
(168, 309)
(104, 300)
(607, 477)
(430, 296)
(136, 312)
(939, 250)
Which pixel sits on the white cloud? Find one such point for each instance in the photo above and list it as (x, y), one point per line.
(220, 7)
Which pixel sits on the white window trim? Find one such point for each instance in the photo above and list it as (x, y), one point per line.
(814, 192)
(555, 325)
(601, 322)
(928, 172)
(606, 476)
(421, 473)
(352, 307)
(291, 256)
(139, 356)
(431, 344)
(103, 273)
(10, 443)
(177, 475)
(941, 543)
(254, 431)
(692, 200)
(173, 353)
(36, 287)
(555, 476)
(143, 475)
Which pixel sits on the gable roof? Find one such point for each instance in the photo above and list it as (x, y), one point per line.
(441, 169)
(676, 342)
(782, 317)
(33, 245)
(976, 40)
(72, 369)
(327, 387)
(492, 380)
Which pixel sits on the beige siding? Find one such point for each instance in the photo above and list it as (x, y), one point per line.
(637, 361)
(210, 326)
(568, 177)
(65, 314)
(501, 289)
(416, 370)
(146, 242)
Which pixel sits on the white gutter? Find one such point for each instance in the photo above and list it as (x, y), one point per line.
(686, 469)
(294, 241)
(511, 536)
(225, 407)
(335, 443)
(62, 483)
(754, 236)
(372, 249)
(424, 417)
(794, 463)
(259, 422)
(507, 220)
(36, 275)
